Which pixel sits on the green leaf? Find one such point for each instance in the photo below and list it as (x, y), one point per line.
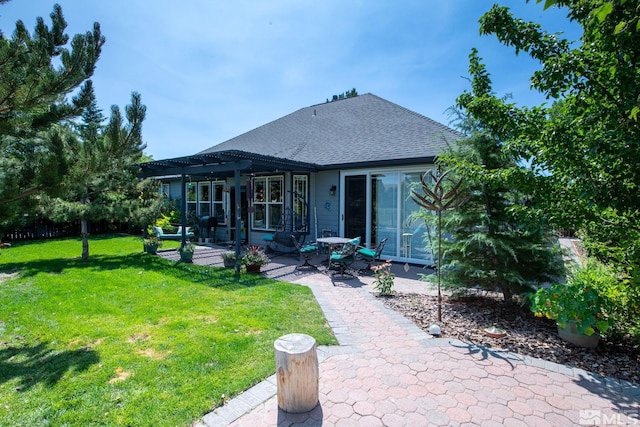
(603, 11)
(547, 3)
(620, 27)
(634, 113)
(602, 325)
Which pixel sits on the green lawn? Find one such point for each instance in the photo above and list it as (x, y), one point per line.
(131, 339)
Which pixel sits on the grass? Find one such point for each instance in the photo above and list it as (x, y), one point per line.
(127, 338)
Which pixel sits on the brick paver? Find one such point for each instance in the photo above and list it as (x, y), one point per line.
(388, 372)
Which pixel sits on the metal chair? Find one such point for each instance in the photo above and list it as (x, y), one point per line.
(344, 257)
(305, 252)
(371, 255)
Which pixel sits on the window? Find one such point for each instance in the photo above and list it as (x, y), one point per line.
(191, 197)
(267, 202)
(207, 199)
(165, 191)
(300, 201)
(218, 201)
(204, 198)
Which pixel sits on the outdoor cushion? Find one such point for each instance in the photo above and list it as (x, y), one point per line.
(347, 251)
(159, 233)
(367, 252)
(308, 249)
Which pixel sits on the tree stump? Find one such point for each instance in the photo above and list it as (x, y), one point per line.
(297, 373)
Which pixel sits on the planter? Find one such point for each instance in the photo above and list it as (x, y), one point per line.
(253, 268)
(494, 332)
(186, 256)
(151, 249)
(570, 334)
(229, 263)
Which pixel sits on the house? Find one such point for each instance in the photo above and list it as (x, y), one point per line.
(346, 166)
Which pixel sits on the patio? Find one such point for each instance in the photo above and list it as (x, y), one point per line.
(387, 371)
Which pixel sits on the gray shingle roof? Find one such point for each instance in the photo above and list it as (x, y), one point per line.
(363, 129)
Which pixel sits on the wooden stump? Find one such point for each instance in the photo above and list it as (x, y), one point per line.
(297, 373)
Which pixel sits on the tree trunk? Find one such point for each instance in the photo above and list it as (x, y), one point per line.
(297, 373)
(85, 238)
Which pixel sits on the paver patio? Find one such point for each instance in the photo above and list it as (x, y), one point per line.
(388, 372)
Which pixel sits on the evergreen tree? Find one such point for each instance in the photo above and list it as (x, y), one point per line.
(492, 245)
(37, 72)
(101, 183)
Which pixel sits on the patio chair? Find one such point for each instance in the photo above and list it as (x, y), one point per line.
(305, 252)
(344, 257)
(371, 255)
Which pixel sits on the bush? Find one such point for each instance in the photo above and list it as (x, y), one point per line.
(591, 298)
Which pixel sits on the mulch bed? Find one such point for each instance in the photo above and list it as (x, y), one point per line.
(466, 318)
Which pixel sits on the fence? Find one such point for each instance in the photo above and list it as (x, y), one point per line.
(47, 229)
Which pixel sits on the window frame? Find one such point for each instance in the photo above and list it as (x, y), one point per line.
(266, 201)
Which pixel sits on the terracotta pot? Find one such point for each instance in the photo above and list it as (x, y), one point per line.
(570, 334)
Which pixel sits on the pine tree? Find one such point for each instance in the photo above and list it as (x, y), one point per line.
(37, 72)
(102, 182)
(493, 244)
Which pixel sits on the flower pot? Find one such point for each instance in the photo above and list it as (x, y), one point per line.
(570, 334)
(494, 332)
(253, 268)
(186, 256)
(151, 249)
(229, 263)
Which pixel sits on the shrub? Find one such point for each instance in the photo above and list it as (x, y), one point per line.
(589, 299)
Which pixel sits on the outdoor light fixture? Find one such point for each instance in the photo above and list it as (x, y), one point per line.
(435, 330)
(332, 190)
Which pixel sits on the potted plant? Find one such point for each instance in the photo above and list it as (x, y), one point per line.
(253, 259)
(229, 259)
(151, 244)
(582, 308)
(186, 251)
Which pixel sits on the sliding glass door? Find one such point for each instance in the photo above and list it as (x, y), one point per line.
(377, 205)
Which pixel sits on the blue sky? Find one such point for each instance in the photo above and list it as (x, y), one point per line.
(209, 70)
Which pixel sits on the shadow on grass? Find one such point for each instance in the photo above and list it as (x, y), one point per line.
(214, 277)
(37, 364)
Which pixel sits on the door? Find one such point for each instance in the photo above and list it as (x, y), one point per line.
(355, 206)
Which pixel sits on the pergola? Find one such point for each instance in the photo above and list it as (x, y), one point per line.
(219, 164)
